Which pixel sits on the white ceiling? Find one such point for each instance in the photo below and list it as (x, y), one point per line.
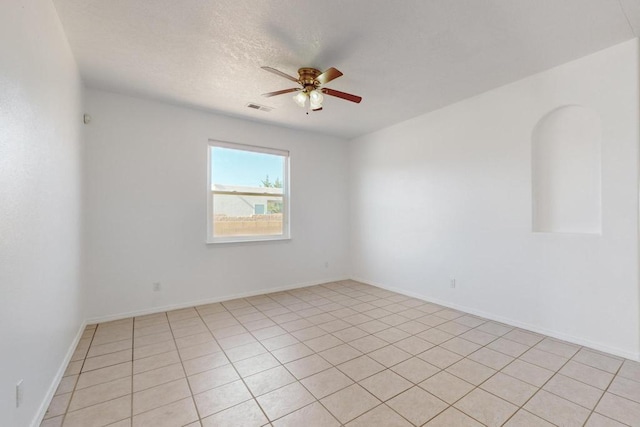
(404, 58)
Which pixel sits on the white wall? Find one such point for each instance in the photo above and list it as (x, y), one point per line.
(40, 201)
(146, 193)
(448, 195)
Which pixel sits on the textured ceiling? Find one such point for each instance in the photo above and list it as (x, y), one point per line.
(404, 58)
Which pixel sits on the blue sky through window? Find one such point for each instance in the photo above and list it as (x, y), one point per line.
(246, 168)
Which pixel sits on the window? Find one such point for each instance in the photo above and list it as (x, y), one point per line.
(248, 193)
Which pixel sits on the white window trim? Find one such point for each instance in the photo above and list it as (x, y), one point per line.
(286, 230)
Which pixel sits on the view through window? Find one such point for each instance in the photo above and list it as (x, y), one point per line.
(248, 193)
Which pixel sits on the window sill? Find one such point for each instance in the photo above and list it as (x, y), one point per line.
(247, 239)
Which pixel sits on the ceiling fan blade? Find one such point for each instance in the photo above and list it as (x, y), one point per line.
(280, 92)
(328, 75)
(280, 73)
(343, 95)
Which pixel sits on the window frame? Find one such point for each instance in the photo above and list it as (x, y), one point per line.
(286, 196)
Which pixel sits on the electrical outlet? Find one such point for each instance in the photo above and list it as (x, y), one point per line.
(157, 287)
(452, 283)
(19, 394)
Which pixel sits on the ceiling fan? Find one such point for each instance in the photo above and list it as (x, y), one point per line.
(311, 82)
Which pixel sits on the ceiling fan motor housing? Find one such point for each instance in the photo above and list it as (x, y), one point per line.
(308, 77)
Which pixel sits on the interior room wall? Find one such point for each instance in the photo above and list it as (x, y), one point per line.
(448, 196)
(146, 188)
(40, 207)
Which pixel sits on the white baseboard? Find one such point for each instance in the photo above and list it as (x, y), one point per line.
(511, 322)
(56, 380)
(152, 310)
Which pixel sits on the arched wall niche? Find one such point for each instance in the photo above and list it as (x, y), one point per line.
(566, 169)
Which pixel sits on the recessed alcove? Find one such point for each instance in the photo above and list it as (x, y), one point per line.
(566, 171)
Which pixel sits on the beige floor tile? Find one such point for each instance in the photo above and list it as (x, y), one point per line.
(494, 328)
(435, 336)
(486, 408)
(99, 376)
(114, 347)
(452, 417)
(153, 349)
(246, 414)
(413, 345)
(509, 388)
(392, 335)
(415, 370)
(256, 364)
(575, 391)
(350, 403)
(557, 347)
(100, 393)
(154, 362)
(309, 333)
(269, 332)
(446, 387)
(178, 413)
(440, 357)
(523, 418)
(214, 378)
(490, 358)
(340, 354)
(619, 409)
(103, 361)
(470, 371)
(389, 355)
(417, 406)
(508, 347)
(246, 351)
(528, 373)
(205, 363)
(101, 414)
(157, 376)
(269, 380)
(67, 384)
(381, 415)
(350, 334)
(152, 339)
(291, 353)
(460, 346)
(557, 410)
(236, 340)
(360, 368)
(164, 394)
(386, 384)
(597, 420)
(368, 343)
(220, 398)
(544, 359)
(192, 340)
(413, 327)
(630, 370)
(285, 400)
(314, 415)
(453, 328)
(52, 422)
(478, 337)
(598, 360)
(524, 337)
(307, 366)
(326, 382)
(374, 326)
(156, 328)
(625, 388)
(58, 405)
(323, 343)
(334, 325)
(278, 342)
(198, 350)
(587, 374)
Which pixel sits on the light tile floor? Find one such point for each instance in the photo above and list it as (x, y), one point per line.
(337, 354)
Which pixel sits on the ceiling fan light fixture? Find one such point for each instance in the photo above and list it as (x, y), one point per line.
(315, 100)
(300, 98)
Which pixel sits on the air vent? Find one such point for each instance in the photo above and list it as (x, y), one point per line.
(259, 107)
